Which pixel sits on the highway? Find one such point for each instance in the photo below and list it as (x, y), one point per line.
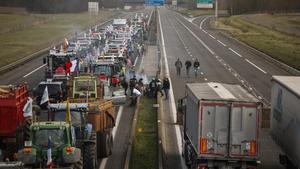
(222, 60)
(33, 72)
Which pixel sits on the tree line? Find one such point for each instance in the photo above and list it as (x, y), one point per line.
(58, 6)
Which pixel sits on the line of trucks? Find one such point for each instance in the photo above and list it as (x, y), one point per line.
(222, 124)
(76, 122)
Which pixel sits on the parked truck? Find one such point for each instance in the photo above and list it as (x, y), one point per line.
(220, 126)
(13, 125)
(285, 106)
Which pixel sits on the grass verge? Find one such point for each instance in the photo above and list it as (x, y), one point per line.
(144, 151)
(21, 35)
(279, 45)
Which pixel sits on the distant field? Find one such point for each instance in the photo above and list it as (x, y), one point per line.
(200, 12)
(276, 35)
(21, 35)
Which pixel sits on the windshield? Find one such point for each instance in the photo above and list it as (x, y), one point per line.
(58, 137)
(75, 117)
(53, 89)
(58, 61)
(83, 86)
(103, 69)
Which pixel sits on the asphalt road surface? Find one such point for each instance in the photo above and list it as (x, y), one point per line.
(221, 60)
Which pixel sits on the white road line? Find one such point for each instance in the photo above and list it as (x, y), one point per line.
(211, 36)
(34, 70)
(235, 52)
(196, 37)
(120, 112)
(221, 43)
(204, 31)
(256, 66)
(172, 99)
(201, 23)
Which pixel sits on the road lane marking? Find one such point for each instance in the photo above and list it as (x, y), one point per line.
(221, 42)
(235, 52)
(34, 70)
(196, 37)
(172, 99)
(211, 36)
(204, 31)
(256, 66)
(201, 23)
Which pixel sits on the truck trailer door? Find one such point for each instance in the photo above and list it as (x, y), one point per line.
(214, 124)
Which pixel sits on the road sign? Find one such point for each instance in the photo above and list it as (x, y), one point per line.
(174, 2)
(204, 3)
(155, 2)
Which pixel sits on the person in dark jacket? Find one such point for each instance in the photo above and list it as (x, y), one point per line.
(152, 86)
(166, 86)
(178, 65)
(188, 65)
(124, 84)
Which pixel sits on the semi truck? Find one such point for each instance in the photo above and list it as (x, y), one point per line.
(285, 106)
(220, 126)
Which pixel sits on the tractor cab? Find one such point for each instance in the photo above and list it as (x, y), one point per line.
(57, 138)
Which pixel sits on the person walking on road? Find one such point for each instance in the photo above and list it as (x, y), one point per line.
(166, 87)
(178, 65)
(188, 65)
(196, 67)
(158, 88)
(152, 86)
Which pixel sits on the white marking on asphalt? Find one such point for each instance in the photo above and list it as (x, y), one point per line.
(201, 73)
(256, 66)
(197, 37)
(201, 23)
(211, 36)
(34, 70)
(172, 99)
(205, 79)
(235, 52)
(221, 43)
(120, 112)
(204, 31)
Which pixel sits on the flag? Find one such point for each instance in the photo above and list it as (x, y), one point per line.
(45, 97)
(27, 110)
(68, 115)
(49, 153)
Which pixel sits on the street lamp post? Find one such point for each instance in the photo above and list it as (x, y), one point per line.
(216, 9)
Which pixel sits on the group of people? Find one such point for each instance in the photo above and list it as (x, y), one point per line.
(135, 88)
(156, 86)
(188, 65)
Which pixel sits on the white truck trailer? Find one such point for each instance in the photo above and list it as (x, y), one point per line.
(285, 119)
(221, 126)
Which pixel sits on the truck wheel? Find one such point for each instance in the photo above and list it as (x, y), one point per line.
(187, 155)
(78, 165)
(104, 145)
(90, 153)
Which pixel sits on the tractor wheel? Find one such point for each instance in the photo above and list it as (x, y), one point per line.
(90, 153)
(106, 143)
(77, 165)
(26, 130)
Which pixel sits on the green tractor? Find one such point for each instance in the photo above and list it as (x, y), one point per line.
(86, 138)
(51, 143)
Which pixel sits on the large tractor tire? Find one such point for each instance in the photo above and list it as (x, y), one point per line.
(105, 143)
(26, 129)
(90, 153)
(78, 165)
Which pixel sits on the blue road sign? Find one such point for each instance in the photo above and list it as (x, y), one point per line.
(155, 2)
